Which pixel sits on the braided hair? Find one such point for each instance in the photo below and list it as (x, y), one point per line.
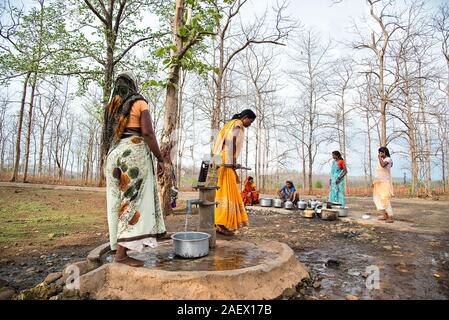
(116, 112)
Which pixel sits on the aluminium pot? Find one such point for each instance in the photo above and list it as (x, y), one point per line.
(302, 205)
(266, 202)
(288, 205)
(277, 203)
(313, 204)
(191, 244)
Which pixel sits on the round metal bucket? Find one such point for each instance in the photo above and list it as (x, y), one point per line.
(191, 244)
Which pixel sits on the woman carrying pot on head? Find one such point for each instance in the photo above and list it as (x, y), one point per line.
(230, 213)
(134, 215)
(337, 179)
(383, 185)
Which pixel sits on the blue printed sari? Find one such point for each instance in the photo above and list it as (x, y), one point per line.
(337, 191)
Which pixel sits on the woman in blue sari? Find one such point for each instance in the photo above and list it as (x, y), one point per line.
(337, 180)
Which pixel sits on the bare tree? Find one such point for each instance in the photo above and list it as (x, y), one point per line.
(230, 43)
(310, 76)
(388, 24)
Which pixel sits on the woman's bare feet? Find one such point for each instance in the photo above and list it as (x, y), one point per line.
(121, 256)
(130, 261)
(384, 217)
(389, 219)
(222, 230)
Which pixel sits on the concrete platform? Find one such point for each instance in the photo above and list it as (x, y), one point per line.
(234, 270)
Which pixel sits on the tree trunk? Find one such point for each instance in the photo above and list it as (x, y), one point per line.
(343, 132)
(411, 131)
(303, 154)
(428, 175)
(30, 123)
(218, 89)
(383, 103)
(19, 129)
(170, 115)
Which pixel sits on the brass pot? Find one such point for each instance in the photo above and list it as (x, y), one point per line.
(308, 213)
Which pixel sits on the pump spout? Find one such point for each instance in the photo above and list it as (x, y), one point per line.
(191, 203)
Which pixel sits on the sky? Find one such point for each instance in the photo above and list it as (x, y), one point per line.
(333, 20)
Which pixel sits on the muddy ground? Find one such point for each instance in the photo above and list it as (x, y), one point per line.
(42, 230)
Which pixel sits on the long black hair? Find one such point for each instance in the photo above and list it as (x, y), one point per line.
(245, 113)
(338, 154)
(387, 153)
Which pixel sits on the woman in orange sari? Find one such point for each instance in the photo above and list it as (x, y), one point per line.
(249, 194)
(230, 213)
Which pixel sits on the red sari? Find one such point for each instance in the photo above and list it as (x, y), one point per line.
(249, 194)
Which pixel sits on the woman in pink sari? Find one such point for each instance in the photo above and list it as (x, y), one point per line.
(383, 185)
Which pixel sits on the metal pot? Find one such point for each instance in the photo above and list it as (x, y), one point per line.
(329, 214)
(302, 205)
(266, 202)
(288, 205)
(308, 213)
(333, 205)
(313, 204)
(191, 244)
(277, 203)
(342, 212)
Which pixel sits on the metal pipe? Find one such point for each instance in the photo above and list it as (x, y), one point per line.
(191, 203)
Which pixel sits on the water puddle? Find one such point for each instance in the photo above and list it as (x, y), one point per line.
(218, 259)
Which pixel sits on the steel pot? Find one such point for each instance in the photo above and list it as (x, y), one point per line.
(191, 244)
(313, 204)
(302, 205)
(329, 214)
(266, 202)
(277, 203)
(288, 205)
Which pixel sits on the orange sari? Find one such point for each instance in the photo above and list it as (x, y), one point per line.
(230, 211)
(249, 194)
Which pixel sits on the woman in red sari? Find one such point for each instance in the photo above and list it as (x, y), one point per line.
(249, 194)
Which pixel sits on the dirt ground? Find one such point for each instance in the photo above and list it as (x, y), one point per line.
(42, 230)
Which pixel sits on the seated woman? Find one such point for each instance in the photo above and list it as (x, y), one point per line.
(249, 194)
(288, 192)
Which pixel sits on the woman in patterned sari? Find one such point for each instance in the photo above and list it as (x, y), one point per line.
(337, 180)
(134, 215)
(230, 213)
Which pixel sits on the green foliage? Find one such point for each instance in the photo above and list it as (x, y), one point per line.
(318, 185)
(206, 16)
(38, 43)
